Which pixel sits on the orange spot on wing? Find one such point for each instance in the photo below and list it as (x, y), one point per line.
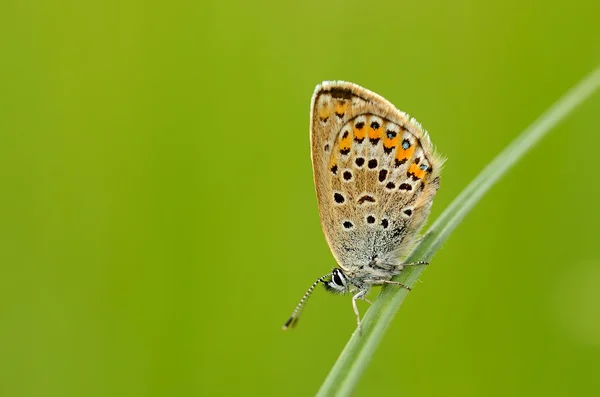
(333, 165)
(374, 134)
(360, 134)
(324, 107)
(346, 140)
(402, 154)
(340, 107)
(416, 171)
(324, 112)
(390, 143)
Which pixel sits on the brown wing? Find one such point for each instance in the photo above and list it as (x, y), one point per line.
(375, 174)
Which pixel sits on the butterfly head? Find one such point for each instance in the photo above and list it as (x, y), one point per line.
(335, 282)
(339, 282)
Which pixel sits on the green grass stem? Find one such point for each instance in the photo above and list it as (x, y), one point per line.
(355, 357)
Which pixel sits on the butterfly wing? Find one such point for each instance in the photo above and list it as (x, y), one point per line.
(375, 172)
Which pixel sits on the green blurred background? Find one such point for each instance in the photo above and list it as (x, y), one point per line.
(158, 221)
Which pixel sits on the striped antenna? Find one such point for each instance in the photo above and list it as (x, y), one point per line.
(293, 320)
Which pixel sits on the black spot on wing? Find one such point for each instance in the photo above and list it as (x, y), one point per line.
(366, 198)
(382, 175)
(397, 232)
(341, 93)
(398, 163)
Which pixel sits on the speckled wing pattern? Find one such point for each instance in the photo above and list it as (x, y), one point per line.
(376, 174)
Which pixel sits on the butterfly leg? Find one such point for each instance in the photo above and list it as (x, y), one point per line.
(360, 295)
(395, 283)
(415, 263)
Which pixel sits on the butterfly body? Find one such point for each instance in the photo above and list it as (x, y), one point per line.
(376, 174)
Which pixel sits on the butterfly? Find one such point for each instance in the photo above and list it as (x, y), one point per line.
(376, 174)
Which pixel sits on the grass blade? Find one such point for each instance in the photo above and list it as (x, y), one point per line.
(355, 357)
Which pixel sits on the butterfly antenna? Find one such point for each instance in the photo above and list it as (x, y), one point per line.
(293, 320)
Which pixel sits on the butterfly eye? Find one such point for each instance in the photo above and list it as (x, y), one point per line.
(338, 278)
